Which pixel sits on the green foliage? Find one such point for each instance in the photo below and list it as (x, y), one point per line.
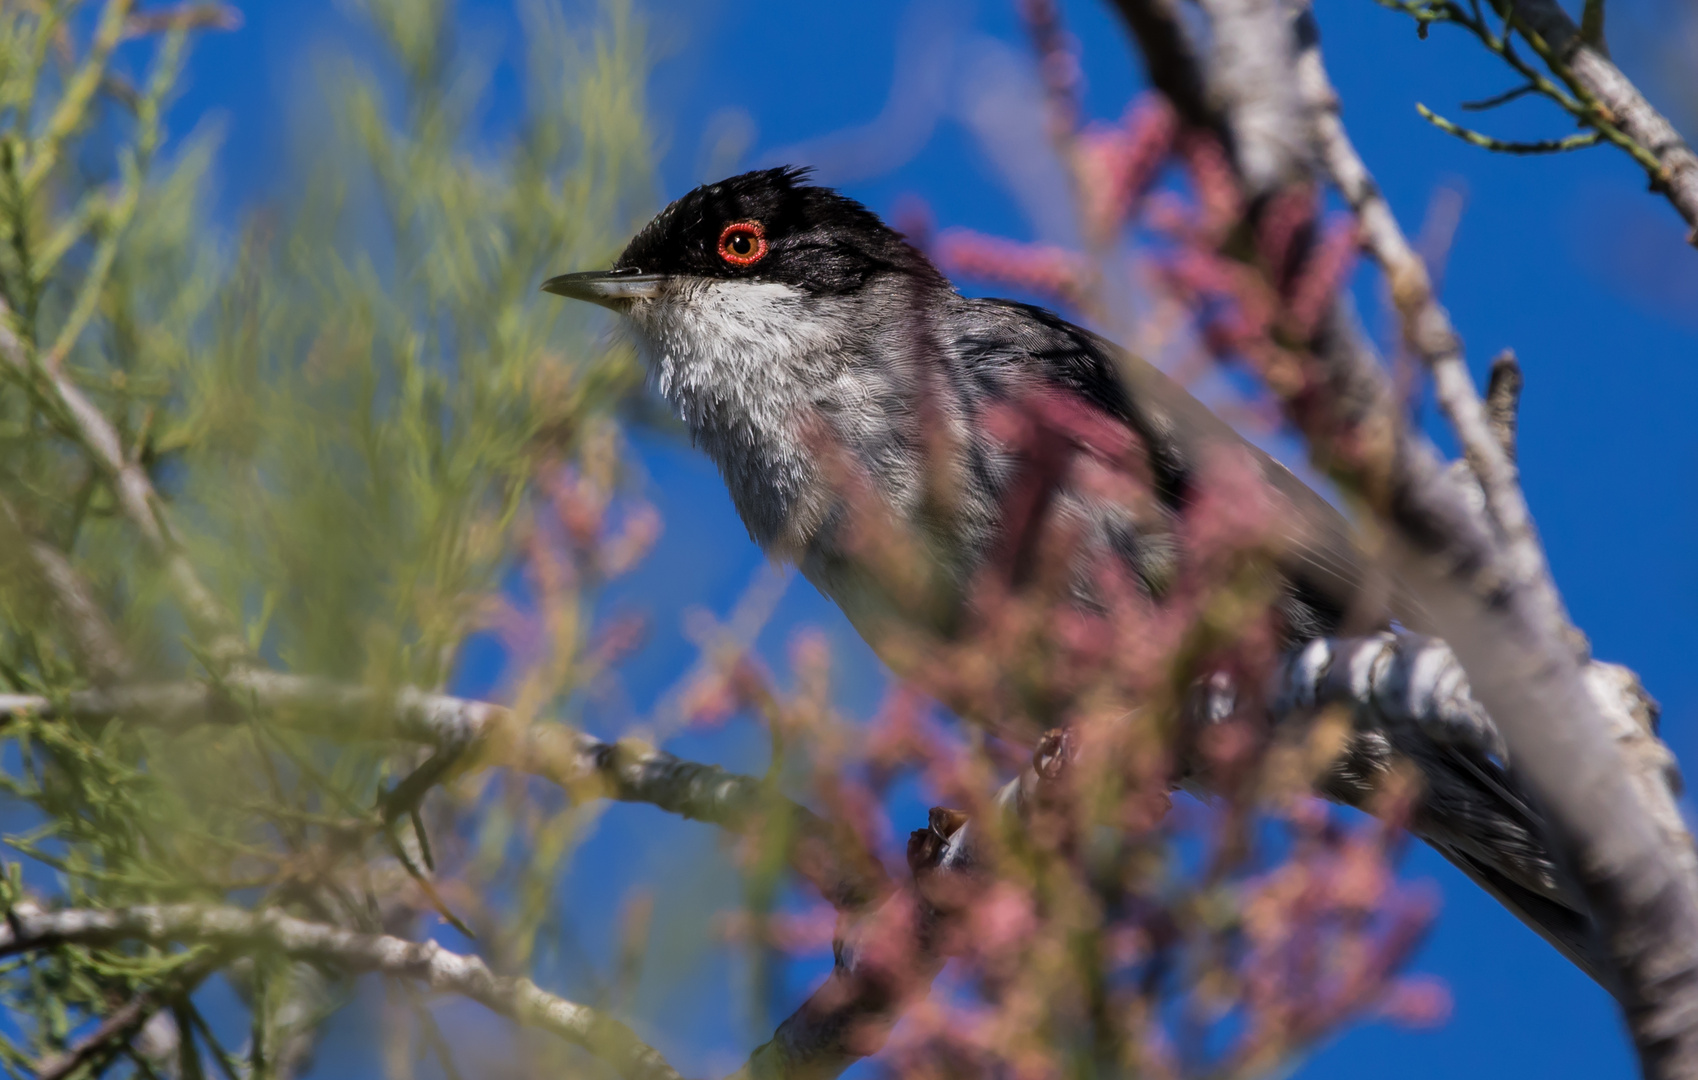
(383, 379)
(341, 411)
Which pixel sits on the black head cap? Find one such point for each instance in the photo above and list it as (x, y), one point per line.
(771, 225)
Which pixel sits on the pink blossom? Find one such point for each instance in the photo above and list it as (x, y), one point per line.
(1041, 269)
(1419, 1001)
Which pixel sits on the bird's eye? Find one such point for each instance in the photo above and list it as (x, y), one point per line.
(743, 243)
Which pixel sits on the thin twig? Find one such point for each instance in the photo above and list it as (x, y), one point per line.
(1507, 146)
(1619, 110)
(118, 1027)
(73, 104)
(1599, 95)
(1500, 99)
(1427, 329)
(882, 963)
(476, 731)
(1592, 25)
(133, 166)
(93, 638)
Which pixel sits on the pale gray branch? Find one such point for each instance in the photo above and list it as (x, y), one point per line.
(826, 854)
(1428, 330)
(28, 928)
(1499, 609)
(1486, 589)
(1250, 61)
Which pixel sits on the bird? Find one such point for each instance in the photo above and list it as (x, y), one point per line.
(794, 333)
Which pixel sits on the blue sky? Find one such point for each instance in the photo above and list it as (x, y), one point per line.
(1567, 260)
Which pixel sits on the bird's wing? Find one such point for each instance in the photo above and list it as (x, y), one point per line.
(1321, 554)
(1474, 817)
(1473, 811)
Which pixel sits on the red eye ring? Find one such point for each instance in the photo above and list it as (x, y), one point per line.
(743, 243)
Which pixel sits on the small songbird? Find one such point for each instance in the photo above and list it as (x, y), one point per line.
(787, 326)
(773, 313)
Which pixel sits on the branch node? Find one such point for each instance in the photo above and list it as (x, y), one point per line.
(1503, 400)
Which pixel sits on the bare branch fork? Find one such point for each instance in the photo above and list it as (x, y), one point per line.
(1594, 91)
(1482, 579)
(1582, 61)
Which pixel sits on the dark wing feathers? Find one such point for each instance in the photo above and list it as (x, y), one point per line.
(1321, 556)
(1472, 812)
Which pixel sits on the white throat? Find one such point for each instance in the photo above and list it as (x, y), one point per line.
(742, 363)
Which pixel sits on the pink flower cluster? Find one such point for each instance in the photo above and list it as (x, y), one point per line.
(1042, 269)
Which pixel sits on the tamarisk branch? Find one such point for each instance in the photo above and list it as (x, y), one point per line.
(28, 928)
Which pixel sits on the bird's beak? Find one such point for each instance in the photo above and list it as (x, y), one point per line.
(610, 288)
